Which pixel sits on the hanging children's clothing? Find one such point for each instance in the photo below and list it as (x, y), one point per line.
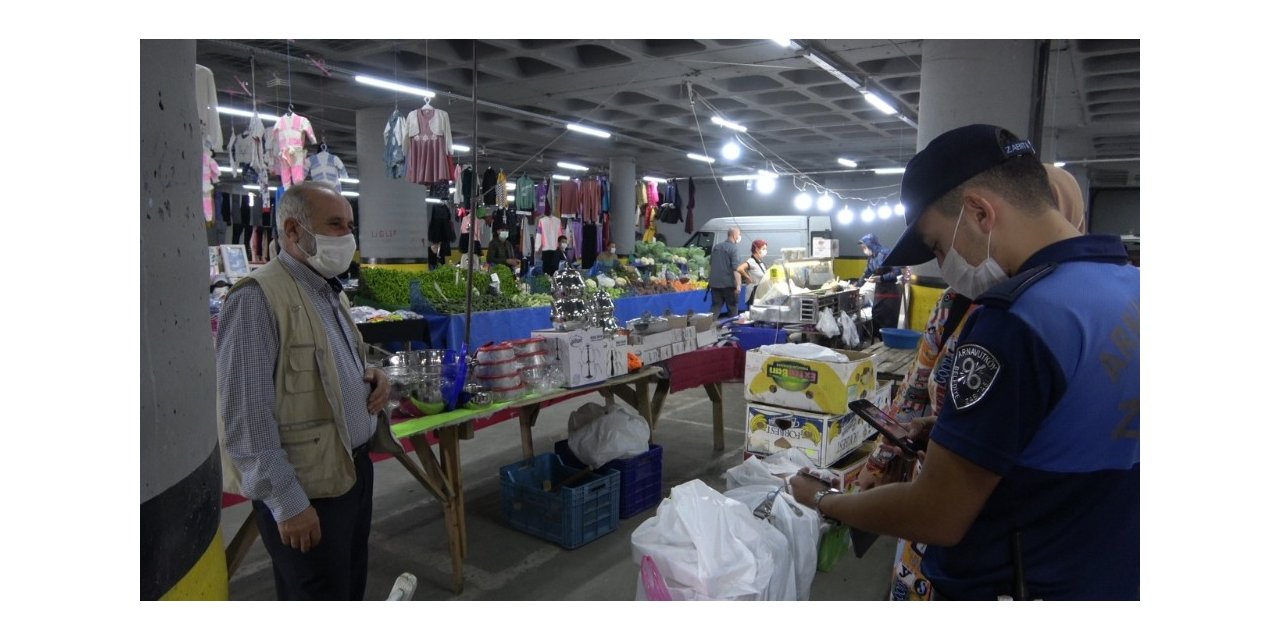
(327, 168)
(526, 193)
(208, 177)
(207, 107)
(429, 144)
(458, 197)
(488, 187)
(440, 227)
(501, 189)
(548, 230)
(589, 200)
(291, 150)
(393, 145)
(688, 219)
(540, 198)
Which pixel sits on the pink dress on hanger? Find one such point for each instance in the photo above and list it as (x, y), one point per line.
(429, 142)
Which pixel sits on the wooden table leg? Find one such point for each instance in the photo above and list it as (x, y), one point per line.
(643, 403)
(438, 477)
(528, 416)
(716, 394)
(659, 399)
(240, 543)
(452, 463)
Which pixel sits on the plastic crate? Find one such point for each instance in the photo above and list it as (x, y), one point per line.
(570, 517)
(641, 486)
(751, 337)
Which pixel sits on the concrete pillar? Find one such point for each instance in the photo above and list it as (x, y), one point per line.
(975, 81)
(970, 82)
(393, 212)
(181, 477)
(622, 203)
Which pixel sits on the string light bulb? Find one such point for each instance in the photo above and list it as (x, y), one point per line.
(845, 216)
(884, 212)
(868, 215)
(731, 151)
(803, 201)
(825, 202)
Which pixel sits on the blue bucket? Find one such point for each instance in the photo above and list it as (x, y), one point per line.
(901, 338)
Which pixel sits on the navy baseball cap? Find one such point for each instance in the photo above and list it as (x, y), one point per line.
(946, 163)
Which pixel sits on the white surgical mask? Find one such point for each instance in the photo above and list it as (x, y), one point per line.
(613, 249)
(564, 245)
(968, 280)
(333, 255)
(502, 235)
(764, 252)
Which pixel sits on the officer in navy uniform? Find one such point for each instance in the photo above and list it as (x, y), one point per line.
(1030, 488)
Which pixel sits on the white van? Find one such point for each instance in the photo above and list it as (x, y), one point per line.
(780, 232)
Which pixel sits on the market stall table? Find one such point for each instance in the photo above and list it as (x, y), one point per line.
(707, 368)
(442, 476)
(892, 365)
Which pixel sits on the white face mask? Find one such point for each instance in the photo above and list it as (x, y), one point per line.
(502, 235)
(764, 252)
(564, 245)
(968, 280)
(613, 249)
(333, 255)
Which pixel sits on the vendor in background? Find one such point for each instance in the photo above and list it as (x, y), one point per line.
(501, 251)
(753, 269)
(607, 261)
(435, 255)
(888, 298)
(551, 259)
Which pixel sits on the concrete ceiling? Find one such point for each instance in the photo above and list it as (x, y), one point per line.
(639, 91)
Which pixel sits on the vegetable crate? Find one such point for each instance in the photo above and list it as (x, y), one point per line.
(641, 486)
(570, 516)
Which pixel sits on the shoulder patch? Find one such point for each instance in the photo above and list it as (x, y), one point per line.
(973, 371)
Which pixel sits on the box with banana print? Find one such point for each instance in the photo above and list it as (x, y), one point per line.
(823, 438)
(809, 385)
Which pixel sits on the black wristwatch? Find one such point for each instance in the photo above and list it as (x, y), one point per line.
(817, 499)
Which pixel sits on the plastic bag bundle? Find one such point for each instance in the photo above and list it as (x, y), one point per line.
(710, 547)
(827, 323)
(599, 435)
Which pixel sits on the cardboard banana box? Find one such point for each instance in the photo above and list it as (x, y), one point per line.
(809, 385)
(823, 438)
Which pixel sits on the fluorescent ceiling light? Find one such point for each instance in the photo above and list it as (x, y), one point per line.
(248, 114)
(453, 189)
(879, 103)
(556, 176)
(767, 174)
(701, 158)
(599, 133)
(829, 68)
(351, 194)
(435, 201)
(253, 187)
(461, 147)
(891, 171)
(511, 198)
(1059, 164)
(740, 177)
(653, 179)
(511, 185)
(226, 169)
(395, 86)
(570, 165)
(783, 43)
(727, 124)
(847, 163)
(349, 180)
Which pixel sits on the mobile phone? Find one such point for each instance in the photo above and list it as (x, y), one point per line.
(885, 424)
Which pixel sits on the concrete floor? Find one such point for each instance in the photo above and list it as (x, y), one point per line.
(505, 564)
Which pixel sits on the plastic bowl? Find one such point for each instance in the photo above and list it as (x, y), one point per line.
(495, 353)
(900, 338)
(498, 369)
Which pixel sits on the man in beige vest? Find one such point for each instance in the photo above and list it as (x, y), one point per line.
(299, 408)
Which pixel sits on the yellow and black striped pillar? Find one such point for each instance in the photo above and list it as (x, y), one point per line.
(181, 477)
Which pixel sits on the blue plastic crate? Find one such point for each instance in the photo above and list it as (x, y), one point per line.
(641, 486)
(570, 517)
(751, 337)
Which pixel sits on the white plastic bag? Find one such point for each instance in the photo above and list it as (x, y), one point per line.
(800, 525)
(805, 350)
(771, 470)
(709, 547)
(848, 330)
(827, 323)
(598, 435)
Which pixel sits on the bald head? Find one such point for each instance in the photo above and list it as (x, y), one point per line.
(735, 234)
(316, 208)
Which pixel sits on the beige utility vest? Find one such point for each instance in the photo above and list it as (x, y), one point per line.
(309, 412)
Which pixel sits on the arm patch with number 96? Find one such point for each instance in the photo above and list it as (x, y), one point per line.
(973, 371)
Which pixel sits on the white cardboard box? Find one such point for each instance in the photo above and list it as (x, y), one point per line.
(681, 347)
(823, 438)
(809, 385)
(706, 338)
(655, 340)
(585, 355)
